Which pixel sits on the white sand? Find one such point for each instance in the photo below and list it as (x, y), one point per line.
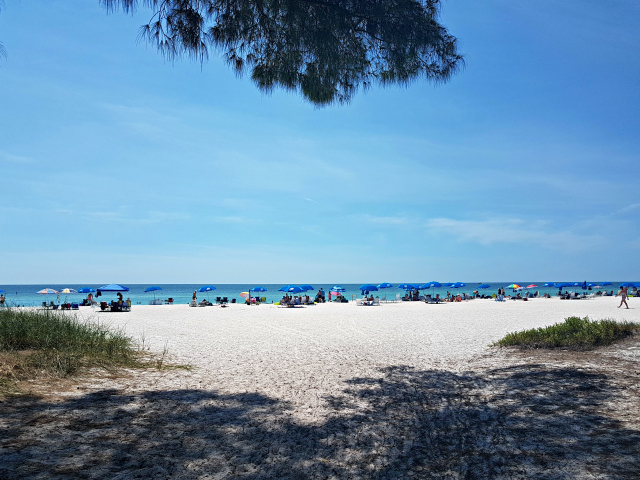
(307, 393)
(301, 355)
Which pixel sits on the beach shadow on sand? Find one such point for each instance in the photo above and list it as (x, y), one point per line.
(524, 421)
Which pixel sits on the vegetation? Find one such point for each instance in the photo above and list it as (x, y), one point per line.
(36, 343)
(574, 332)
(326, 49)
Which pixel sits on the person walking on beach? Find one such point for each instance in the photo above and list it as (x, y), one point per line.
(623, 294)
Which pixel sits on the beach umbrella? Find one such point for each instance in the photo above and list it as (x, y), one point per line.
(86, 290)
(434, 284)
(205, 288)
(66, 292)
(628, 284)
(295, 289)
(46, 291)
(484, 285)
(113, 287)
(337, 288)
(244, 294)
(406, 286)
(592, 285)
(367, 287)
(531, 286)
(153, 289)
(307, 287)
(447, 284)
(424, 286)
(549, 284)
(458, 285)
(385, 285)
(284, 289)
(514, 286)
(1, 291)
(257, 289)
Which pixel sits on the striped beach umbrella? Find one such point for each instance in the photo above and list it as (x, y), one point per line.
(46, 291)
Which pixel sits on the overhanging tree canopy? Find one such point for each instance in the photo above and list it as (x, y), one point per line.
(327, 49)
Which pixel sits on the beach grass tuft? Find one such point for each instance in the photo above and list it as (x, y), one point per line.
(36, 343)
(574, 332)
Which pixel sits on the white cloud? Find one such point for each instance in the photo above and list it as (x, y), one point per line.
(512, 230)
(11, 158)
(381, 220)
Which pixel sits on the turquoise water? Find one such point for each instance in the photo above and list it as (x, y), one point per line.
(25, 295)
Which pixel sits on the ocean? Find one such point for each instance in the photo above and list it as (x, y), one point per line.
(25, 295)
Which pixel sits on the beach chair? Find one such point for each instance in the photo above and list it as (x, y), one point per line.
(500, 298)
(398, 297)
(74, 306)
(376, 301)
(193, 303)
(218, 299)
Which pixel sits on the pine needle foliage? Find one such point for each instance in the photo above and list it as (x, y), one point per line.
(325, 49)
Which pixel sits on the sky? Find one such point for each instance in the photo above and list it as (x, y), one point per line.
(118, 166)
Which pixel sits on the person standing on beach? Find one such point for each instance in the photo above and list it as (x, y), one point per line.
(2, 300)
(194, 295)
(623, 294)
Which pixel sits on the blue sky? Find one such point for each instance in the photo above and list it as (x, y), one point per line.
(117, 166)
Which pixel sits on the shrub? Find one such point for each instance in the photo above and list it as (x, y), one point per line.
(573, 332)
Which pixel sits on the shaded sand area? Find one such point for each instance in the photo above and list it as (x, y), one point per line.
(404, 390)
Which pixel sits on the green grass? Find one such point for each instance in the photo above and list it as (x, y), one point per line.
(574, 332)
(36, 343)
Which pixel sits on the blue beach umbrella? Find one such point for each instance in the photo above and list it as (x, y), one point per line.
(484, 285)
(406, 286)
(337, 288)
(294, 289)
(628, 284)
(258, 289)
(1, 291)
(447, 284)
(113, 287)
(284, 289)
(458, 285)
(367, 287)
(153, 289)
(424, 286)
(549, 284)
(434, 284)
(207, 288)
(86, 290)
(385, 285)
(307, 287)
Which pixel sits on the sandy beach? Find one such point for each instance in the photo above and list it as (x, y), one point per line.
(403, 390)
(303, 354)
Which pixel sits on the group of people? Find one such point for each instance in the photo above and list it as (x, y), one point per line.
(288, 300)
